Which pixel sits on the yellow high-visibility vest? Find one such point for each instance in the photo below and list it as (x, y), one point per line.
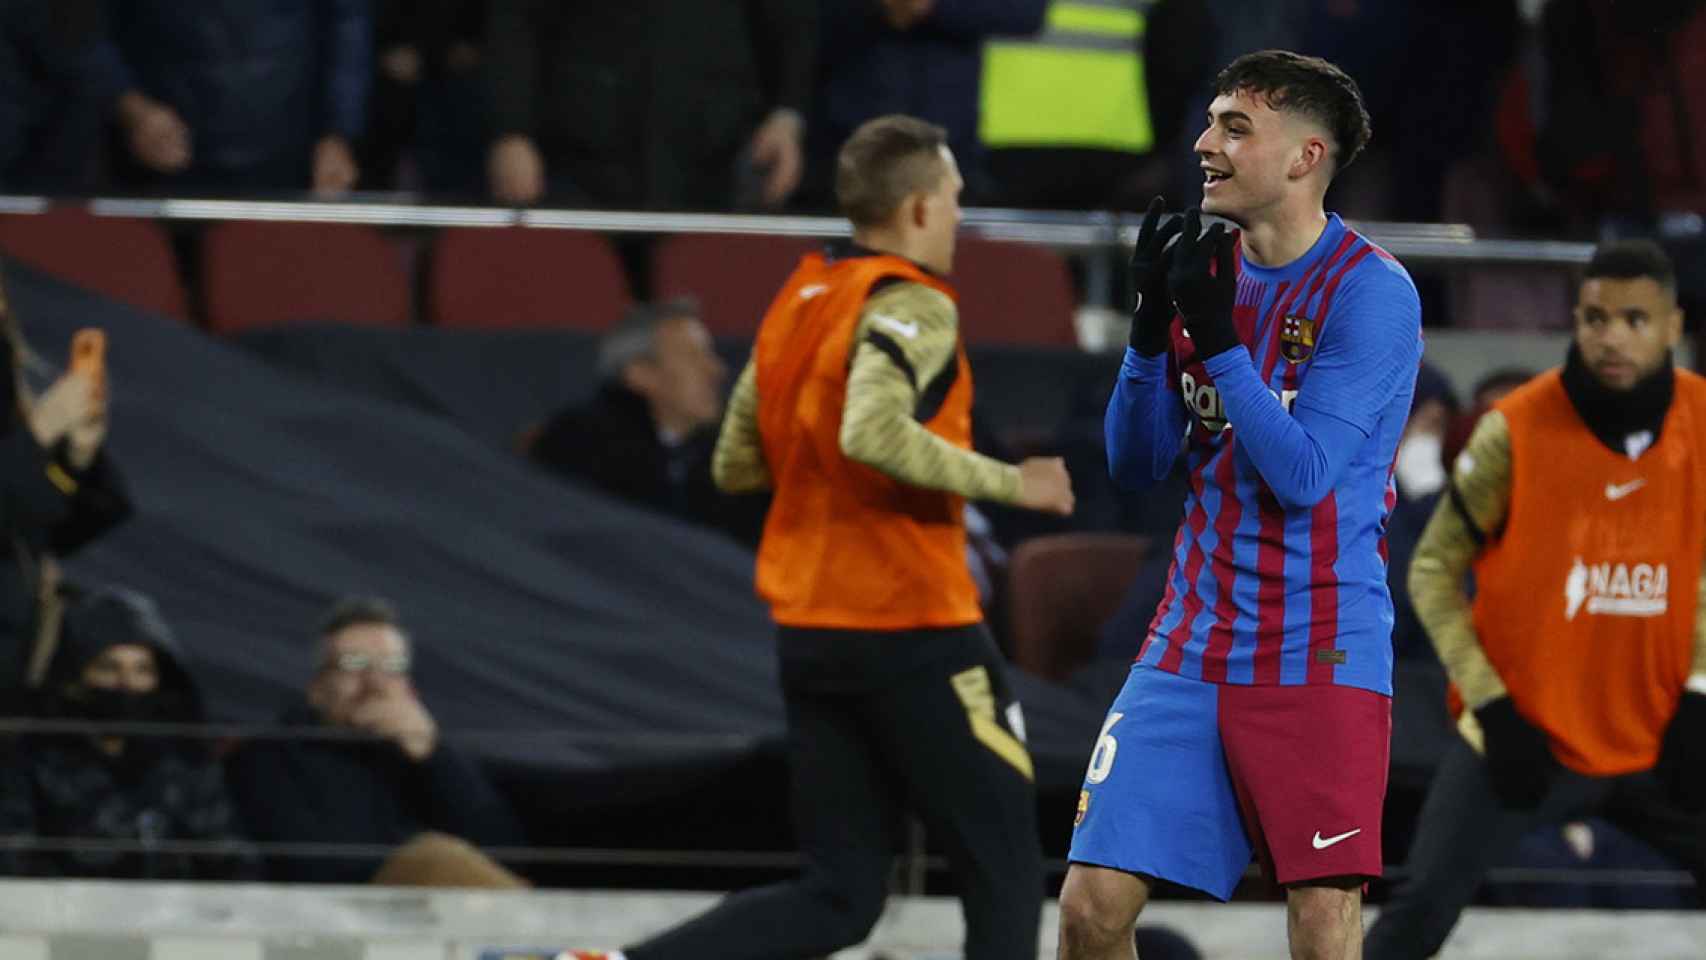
(1078, 83)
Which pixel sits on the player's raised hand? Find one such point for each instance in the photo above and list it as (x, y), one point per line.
(1044, 485)
(1152, 306)
(1203, 277)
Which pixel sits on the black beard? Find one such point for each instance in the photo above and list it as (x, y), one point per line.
(1613, 415)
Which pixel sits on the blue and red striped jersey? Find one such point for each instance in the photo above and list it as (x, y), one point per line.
(1279, 568)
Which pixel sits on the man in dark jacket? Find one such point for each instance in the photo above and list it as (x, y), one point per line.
(236, 95)
(59, 490)
(647, 436)
(392, 783)
(50, 121)
(118, 663)
(649, 103)
(918, 57)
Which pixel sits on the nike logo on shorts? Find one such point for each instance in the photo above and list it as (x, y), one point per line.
(1323, 843)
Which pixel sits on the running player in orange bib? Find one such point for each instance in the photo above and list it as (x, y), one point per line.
(856, 412)
(1580, 506)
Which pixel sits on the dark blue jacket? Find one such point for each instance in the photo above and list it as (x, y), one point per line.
(256, 81)
(868, 69)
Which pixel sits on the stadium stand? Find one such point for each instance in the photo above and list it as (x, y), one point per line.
(126, 259)
(260, 274)
(510, 278)
(733, 277)
(1012, 293)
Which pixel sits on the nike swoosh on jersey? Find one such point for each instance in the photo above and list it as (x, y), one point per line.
(907, 330)
(1617, 491)
(1322, 844)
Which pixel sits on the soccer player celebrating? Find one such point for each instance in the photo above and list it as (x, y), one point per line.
(856, 411)
(1279, 362)
(1580, 506)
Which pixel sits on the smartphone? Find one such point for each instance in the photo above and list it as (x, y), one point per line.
(89, 355)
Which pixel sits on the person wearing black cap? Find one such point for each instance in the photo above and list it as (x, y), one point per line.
(116, 663)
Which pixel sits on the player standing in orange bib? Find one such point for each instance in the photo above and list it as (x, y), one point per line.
(856, 412)
(1580, 506)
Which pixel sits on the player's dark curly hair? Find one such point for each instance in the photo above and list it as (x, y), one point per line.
(1307, 85)
(1630, 259)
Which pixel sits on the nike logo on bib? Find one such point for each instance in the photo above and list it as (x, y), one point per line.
(1617, 491)
(1322, 844)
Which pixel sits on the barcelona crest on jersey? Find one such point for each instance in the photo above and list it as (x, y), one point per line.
(1297, 339)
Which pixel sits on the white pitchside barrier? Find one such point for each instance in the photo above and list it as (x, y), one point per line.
(73, 920)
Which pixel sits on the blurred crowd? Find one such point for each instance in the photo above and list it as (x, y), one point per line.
(1540, 115)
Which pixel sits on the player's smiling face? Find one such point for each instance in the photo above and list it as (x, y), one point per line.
(1251, 154)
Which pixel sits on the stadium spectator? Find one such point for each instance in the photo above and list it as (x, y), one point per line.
(1624, 109)
(236, 96)
(918, 57)
(652, 103)
(61, 492)
(398, 786)
(1490, 389)
(1420, 475)
(426, 120)
(117, 662)
(1086, 114)
(50, 119)
(647, 436)
(1581, 662)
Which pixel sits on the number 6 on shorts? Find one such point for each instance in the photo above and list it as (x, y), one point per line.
(1102, 759)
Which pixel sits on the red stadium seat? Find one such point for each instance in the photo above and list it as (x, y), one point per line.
(128, 260)
(1013, 293)
(515, 277)
(259, 274)
(734, 278)
(1060, 591)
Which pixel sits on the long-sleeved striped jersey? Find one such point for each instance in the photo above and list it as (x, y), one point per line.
(1279, 568)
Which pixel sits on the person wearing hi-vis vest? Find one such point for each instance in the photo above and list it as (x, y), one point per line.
(1579, 505)
(855, 411)
(1068, 114)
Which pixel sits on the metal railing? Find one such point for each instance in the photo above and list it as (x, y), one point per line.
(1067, 231)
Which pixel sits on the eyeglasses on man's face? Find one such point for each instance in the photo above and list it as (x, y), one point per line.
(394, 664)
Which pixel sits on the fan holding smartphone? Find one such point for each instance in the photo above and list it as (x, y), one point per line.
(74, 407)
(62, 492)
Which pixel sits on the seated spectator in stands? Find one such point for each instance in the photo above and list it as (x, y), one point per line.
(396, 784)
(118, 663)
(669, 104)
(238, 96)
(647, 436)
(1487, 391)
(1419, 474)
(923, 58)
(60, 492)
(50, 120)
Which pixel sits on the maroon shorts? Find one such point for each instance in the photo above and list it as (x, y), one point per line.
(1308, 765)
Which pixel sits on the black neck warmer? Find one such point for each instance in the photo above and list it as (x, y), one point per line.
(1613, 415)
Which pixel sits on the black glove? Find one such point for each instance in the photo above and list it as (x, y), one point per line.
(1682, 758)
(1518, 755)
(1152, 307)
(1204, 280)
